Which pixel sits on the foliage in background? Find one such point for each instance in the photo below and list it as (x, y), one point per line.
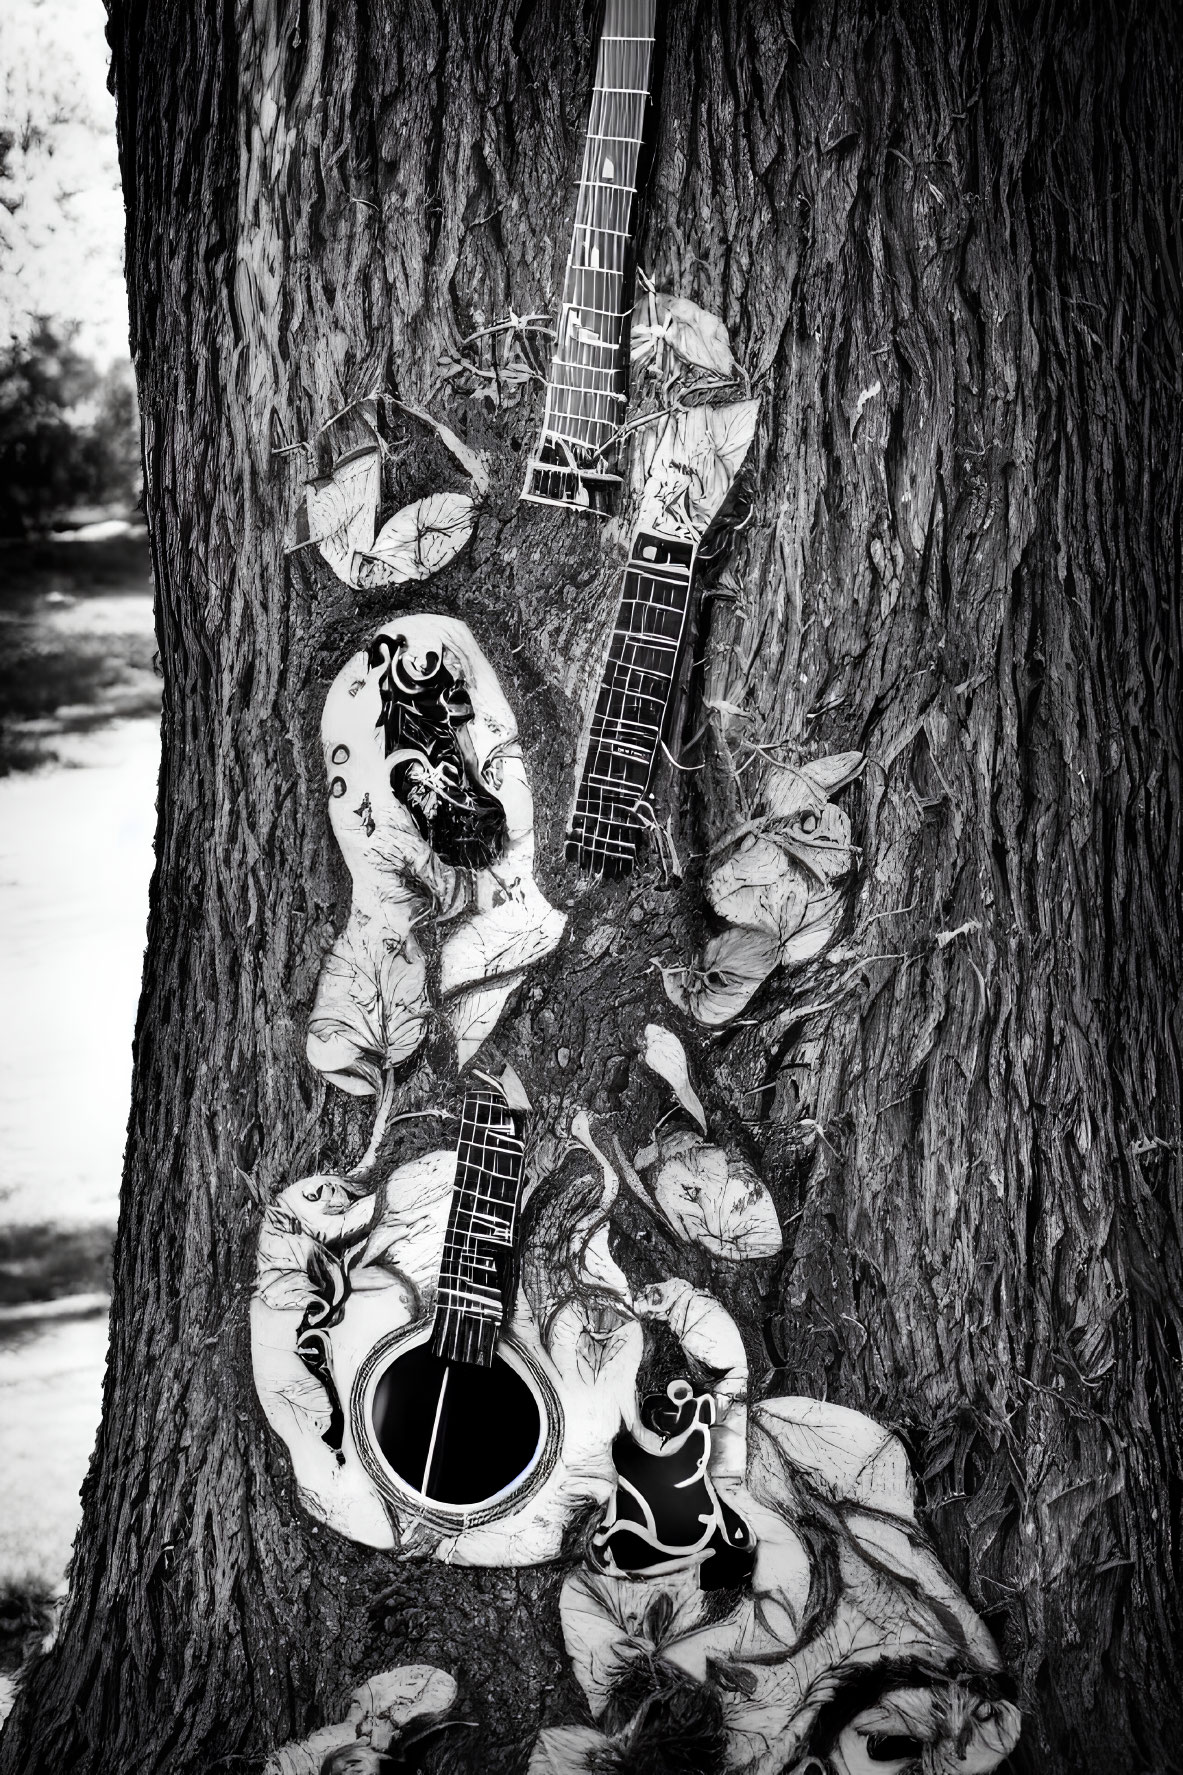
(69, 434)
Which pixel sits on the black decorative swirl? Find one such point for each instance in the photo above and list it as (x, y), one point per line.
(434, 772)
(665, 1514)
(330, 1280)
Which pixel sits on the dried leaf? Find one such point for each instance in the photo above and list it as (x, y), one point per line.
(944, 938)
(665, 1055)
(417, 541)
(697, 337)
(694, 336)
(715, 1199)
(339, 513)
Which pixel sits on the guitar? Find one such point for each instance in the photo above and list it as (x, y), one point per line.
(447, 1414)
(692, 468)
(430, 1401)
(575, 463)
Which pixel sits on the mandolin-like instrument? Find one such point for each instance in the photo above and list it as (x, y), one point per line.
(575, 463)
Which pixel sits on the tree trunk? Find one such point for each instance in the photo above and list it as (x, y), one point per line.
(945, 242)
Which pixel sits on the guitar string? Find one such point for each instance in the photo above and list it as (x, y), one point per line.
(618, 738)
(489, 1148)
(574, 412)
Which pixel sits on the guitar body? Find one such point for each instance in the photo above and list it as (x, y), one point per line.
(527, 1441)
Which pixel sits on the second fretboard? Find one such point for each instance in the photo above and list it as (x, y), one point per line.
(631, 713)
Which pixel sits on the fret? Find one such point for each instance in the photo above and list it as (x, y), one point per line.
(495, 1148)
(604, 206)
(606, 185)
(485, 1302)
(644, 611)
(623, 736)
(631, 736)
(628, 766)
(622, 727)
(559, 409)
(643, 721)
(645, 657)
(575, 400)
(576, 310)
(483, 1225)
(609, 370)
(606, 829)
(478, 1242)
(616, 233)
(595, 343)
(585, 270)
(579, 424)
(495, 1141)
(580, 431)
(609, 782)
(575, 464)
(639, 681)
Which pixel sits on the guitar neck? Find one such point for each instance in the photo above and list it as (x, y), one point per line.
(478, 1247)
(576, 461)
(631, 714)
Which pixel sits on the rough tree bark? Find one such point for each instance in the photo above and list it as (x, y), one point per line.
(946, 243)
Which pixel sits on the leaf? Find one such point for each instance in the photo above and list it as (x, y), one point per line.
(715, 1199)
(694, 336)
(567, 1750)
(411, 1691)
(689, 467)
(697, 337)
(734, 966)
(338, 513)
(416, 542)
(665, 1055)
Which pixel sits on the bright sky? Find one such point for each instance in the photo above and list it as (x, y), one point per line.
(61, 209)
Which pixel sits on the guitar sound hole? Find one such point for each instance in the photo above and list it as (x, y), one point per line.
(480, 1427)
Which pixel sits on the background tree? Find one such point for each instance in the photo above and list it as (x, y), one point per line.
(945, 241)
(69, 433)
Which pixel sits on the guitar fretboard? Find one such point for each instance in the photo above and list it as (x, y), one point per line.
(478, 1245)
(628, 723)
(575, 462)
